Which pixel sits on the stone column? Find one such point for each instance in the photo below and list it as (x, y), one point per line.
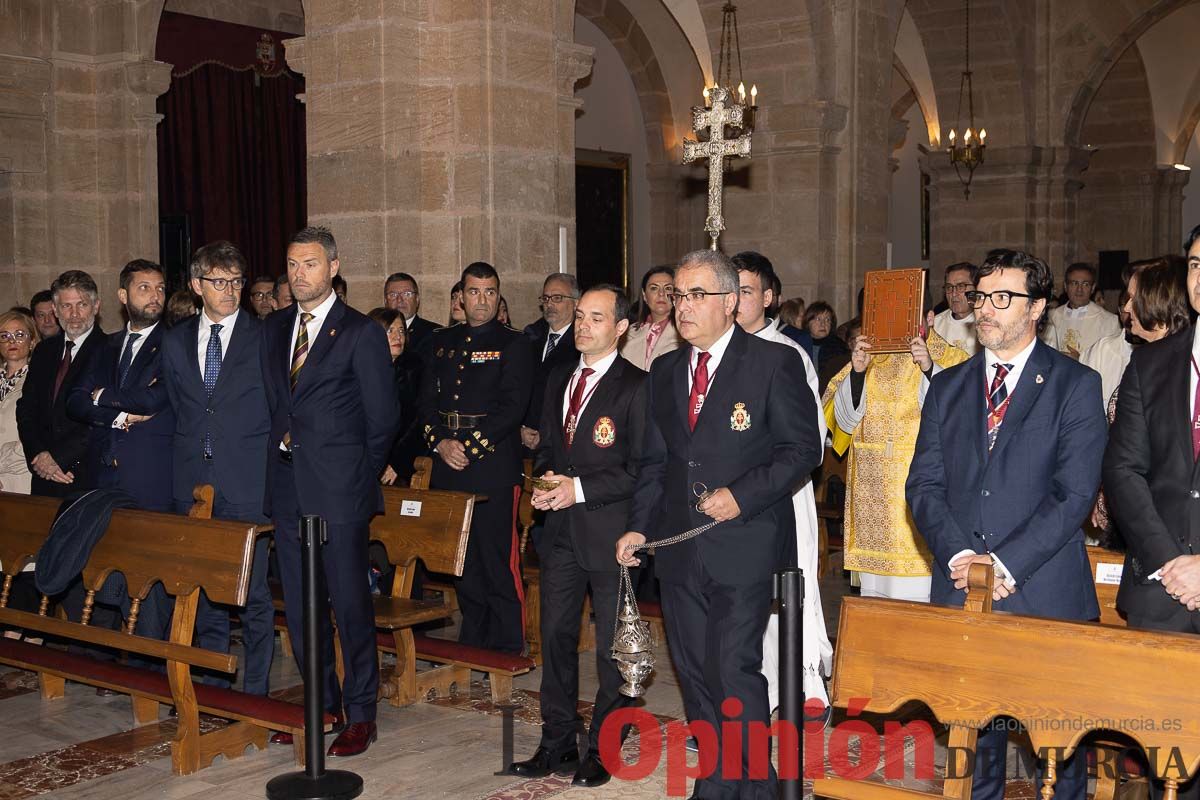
(1169, 226)
(442, 133)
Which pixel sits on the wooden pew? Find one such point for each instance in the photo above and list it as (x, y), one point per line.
(832, 467)
(438, 537)
(970, 665)
(187, 554)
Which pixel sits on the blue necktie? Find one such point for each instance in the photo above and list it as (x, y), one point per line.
(126, 359)
(212, 370)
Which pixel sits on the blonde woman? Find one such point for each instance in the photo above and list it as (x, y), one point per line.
(18, 335)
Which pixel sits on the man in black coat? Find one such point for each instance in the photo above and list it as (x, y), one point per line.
(332, 397)
(731, 431)
(401, 293)
(592, 427)
(553, 346)
(55, 445)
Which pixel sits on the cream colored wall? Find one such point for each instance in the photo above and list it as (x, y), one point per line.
(611, 120)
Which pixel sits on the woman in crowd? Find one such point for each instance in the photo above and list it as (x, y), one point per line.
(18, 335)
(829, 353)
(457, 312)
(181, 305)
(502, 312)
(1158, 306)
(656, 332)
(407, 370)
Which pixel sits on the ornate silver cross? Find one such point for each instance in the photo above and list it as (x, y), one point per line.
(716, 149)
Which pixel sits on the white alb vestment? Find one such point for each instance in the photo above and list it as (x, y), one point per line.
(958, 332)
(1108, 356)
(818, 652)
(1079, 328)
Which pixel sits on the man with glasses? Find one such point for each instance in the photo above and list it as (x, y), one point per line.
(212, 381)
(730, 417)
(560, 294)
(262, 300)
(1076, 326)
(401, 293)
(957, 323)
(1006, 469)
(473, 397)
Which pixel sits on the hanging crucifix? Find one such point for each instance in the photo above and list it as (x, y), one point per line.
(716, 149)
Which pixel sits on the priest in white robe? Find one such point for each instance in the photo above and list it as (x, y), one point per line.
(755, 295)
(1080, 323)
(957, 323)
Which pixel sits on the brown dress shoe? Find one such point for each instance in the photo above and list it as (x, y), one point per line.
(282, 737)
(354, 740)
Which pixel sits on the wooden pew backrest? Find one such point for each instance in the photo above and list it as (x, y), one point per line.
(1106, 573)
(424, 523)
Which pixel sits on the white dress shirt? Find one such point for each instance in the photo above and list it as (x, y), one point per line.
(205, 332)
(715, 354)
(1010, 383)
(560, 333)
(143, 335)
(1192, 375)
(314, 325)
(77, 343)
(598, 371)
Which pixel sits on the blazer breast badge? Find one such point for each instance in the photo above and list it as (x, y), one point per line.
(739, 420)
(604, 433)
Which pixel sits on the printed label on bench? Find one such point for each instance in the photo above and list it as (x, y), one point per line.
(410, 508)
(1109, 573)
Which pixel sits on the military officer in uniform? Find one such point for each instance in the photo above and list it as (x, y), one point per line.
(481, 372)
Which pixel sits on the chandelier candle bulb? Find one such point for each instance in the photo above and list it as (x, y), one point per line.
(754, 96)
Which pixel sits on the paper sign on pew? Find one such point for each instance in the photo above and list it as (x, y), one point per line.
(1109, 573)
(410, 508)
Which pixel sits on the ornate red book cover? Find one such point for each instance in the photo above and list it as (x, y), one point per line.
(892, 308)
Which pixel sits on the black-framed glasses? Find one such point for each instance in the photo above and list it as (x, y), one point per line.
(13, 336)
(556, 298)
(693, 297)
(221, 284)
(957, 288)
(1000, 299)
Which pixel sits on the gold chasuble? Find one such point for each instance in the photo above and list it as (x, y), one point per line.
(880, 536)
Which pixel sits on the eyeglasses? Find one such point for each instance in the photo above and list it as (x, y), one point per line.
(13, 336)
(260, 295)
(1000, 300)
(693, 297)
(1079, 284)
(409, 295)
(221, 284)
(957, 288)
(556, 298)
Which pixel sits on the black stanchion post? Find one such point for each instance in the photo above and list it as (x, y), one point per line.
(314, 783)
(789, 589)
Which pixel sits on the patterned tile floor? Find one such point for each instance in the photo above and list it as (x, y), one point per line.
(453, 747)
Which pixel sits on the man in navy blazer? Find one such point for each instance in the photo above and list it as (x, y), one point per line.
(1006, 470)
(131, 454)
(334, 412)
(729, 418)
(212, 381)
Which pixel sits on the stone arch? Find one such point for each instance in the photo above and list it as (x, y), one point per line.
(1121, 41)
(1187, 130)
(640, 57)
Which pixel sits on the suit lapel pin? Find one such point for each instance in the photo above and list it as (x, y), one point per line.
(1039, 379)
(333, 331)
(739, 420)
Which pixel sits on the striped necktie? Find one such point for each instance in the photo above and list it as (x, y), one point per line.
(997, 403)
(300, 351)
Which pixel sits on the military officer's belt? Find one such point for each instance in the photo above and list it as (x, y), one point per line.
(459, 422)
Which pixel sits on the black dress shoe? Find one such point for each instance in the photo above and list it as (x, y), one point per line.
(591, 773)
(543, 763)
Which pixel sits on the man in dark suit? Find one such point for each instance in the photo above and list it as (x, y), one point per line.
(591, 433)
(401, 293)
(473, 397)
(729, 418)
(1006, 470)
(553, 347)
(132, 452)
(212, 382)
(55, 445)
(334, 412)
